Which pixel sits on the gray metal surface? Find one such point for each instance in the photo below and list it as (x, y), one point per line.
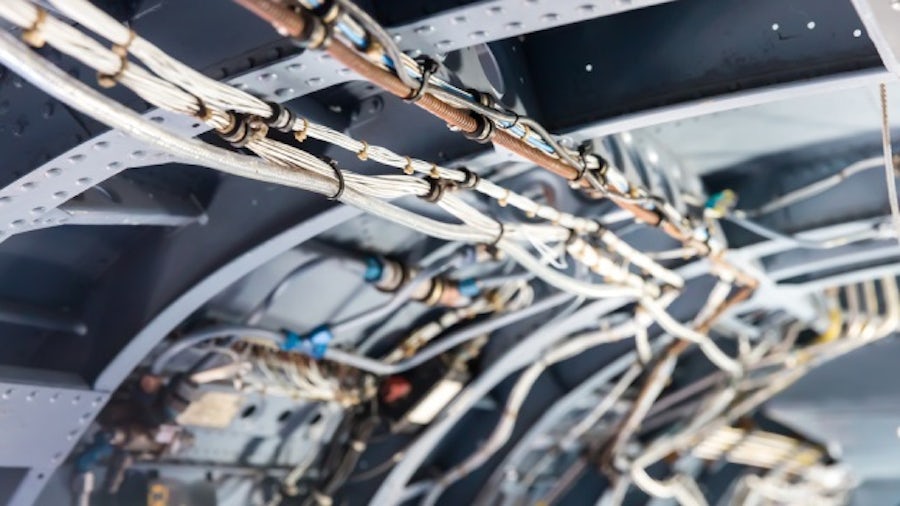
(58, 407)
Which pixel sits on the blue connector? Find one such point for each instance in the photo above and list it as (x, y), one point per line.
(374, 269)
(315, 344)
(468, 287)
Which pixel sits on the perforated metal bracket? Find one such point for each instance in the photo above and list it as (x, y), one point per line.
(501, 19)
(62, 415)
(882, 21)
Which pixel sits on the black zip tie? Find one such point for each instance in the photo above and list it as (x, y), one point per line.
(470, 180)
(340, 179)
(499, 237)
(435, 191)
(428, 67)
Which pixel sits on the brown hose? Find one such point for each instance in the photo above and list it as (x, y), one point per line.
(289, 23)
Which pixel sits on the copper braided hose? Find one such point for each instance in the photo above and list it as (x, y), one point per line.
(289, 23)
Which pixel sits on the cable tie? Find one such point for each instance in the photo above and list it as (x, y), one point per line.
(499, 237)
(340, 180)
(408, 168)
(34, 36)
(427, 67)
(363, 153)
(300, 135)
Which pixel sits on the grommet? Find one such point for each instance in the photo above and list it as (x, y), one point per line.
(363, 153)
(33, 36)
(237, 132)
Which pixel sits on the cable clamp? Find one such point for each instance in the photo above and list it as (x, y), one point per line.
(427, 67)
(484, 129)
(470, 179)
(282, 118)
(33, 36)
(435, 190)
(236, 131)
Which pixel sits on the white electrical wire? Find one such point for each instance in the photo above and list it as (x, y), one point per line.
(891, 179)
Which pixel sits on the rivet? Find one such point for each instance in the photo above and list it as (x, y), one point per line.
(76, 158)
(7, 394)
(138, 154)
(477, 34)
(284, 92)
(49, 109)
(422, 30)
(18, 223)
(113, 166)
(101, 145)
(313, 81)
(514, 25)
(76, 399)
(55, 171)
(857, 33)
(586, 8)
(31, 396)
(84, 181)
(295, 67)
(459, 19)
(54, 398)
(550, 17)
(5, 200)
(495, 10)
(38, 210)
(61, 194)
(775, 27)
(268, 76)
(158, 119)
(443, 44)
(30, 185)
(811, 25)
